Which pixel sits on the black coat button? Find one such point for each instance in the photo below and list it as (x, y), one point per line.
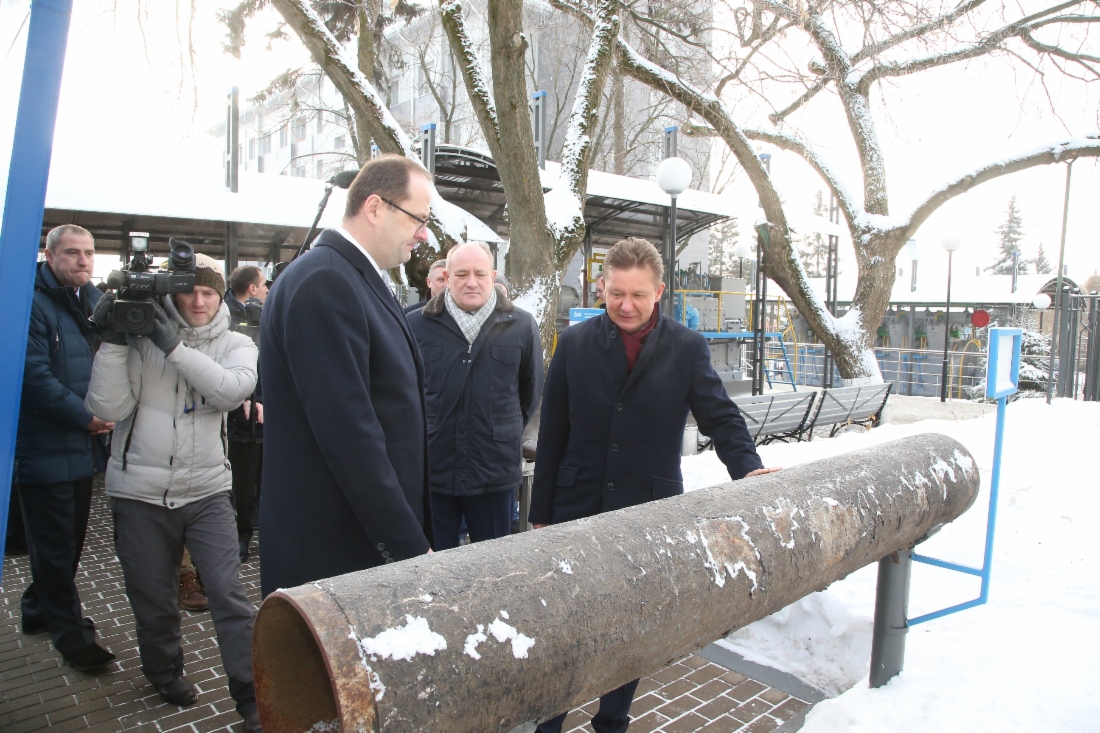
(386, 553)
(618, 406)
(614, 334)
(611, 487)
(614, 447)
(381, 546)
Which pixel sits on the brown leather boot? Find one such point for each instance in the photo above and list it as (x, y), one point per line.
(190, 596)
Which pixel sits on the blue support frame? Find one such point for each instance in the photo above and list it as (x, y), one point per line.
(1002, 379)
(25, 201)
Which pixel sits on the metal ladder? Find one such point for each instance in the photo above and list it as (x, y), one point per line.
(778, 374)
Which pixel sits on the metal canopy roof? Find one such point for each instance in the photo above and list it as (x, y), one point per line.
(469, 178)
(272, 220)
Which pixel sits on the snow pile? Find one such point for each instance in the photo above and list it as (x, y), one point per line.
(1026, 661)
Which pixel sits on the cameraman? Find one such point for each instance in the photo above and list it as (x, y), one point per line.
(245, 298)
(169, 478)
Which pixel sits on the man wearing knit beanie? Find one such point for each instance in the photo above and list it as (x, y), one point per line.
(209, 273)
(169, 481)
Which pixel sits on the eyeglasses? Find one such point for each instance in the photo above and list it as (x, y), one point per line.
(422, 222)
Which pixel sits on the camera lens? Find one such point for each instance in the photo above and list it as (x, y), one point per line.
(135, 316)
(182, 256)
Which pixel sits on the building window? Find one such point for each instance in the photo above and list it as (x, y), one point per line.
(252, 148)
(282, 137)
(338, 142)
(299, 171)
(265, 145)
(260, 164)
(320, 121)
(320, 169)
(299, 129)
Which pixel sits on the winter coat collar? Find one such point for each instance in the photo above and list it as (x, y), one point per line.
(46, 282)
(436, 305)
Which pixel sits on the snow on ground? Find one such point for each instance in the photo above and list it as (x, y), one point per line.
(1029, 660)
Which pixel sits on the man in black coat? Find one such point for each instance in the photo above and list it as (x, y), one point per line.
(245, 425)
(436, 283)
(345, 473)
(58, 446)
(617, 398)
(483, 375)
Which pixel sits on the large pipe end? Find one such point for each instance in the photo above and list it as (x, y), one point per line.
(308, 675)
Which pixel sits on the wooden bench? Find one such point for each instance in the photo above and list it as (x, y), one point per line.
(842, 406)
(781, 416)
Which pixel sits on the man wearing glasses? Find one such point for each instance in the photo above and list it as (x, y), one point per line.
(345, 475)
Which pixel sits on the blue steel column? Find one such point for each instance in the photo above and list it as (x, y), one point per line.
(21, 229)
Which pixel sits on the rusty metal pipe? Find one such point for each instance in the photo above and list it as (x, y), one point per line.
(485, 637)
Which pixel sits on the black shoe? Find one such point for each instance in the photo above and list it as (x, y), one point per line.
(35, 625)
(89, 658)
(243, 549)
(178, 692)
(252, 722)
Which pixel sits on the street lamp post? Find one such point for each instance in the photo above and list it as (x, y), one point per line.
(950, 244)
(914, 254)
(741, 251)
(673, 176)
(1041, 302)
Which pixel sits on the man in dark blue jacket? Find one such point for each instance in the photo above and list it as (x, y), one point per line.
(345, 470)
(482, 378)
(58, 447)
(617, 398)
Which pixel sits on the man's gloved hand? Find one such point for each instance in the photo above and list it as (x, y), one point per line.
(164, 335)
(102, 323)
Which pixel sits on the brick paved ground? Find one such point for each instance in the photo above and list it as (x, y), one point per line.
(38, 691)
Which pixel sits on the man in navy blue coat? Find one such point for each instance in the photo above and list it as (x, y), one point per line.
(345, 472)
(613, 413)
(58, 447)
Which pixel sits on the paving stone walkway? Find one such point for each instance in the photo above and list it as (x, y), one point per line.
(38, 691)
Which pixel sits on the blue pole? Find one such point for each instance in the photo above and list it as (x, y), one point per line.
(21, 229)
(990, 529)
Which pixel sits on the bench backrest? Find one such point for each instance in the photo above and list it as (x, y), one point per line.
(842, 404)
(772, 414)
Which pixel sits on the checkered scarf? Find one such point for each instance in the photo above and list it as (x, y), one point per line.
(470, 323)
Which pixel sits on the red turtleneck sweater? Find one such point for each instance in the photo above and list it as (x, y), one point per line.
(633, 342)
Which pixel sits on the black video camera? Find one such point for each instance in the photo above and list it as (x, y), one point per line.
(139, 281)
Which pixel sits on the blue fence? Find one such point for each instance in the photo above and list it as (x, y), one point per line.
(914, 372)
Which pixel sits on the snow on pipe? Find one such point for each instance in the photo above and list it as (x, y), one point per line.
(488, 636)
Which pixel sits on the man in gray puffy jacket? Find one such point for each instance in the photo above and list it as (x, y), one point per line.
(169, 478)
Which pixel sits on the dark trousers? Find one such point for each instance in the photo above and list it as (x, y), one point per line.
(149, 539)
(56, 520)
(488, 516)
(245, 458)
(613, 717)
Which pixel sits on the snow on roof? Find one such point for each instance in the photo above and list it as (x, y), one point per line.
(262, 199)
(641, 190)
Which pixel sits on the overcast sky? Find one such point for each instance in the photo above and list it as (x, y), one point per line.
(133, 97)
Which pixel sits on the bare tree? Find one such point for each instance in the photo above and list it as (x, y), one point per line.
(374, 122)
(856, 46)
(545, 230)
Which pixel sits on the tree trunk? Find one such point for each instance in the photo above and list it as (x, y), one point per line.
(531, 251)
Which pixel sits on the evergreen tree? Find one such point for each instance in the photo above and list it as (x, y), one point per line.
(723, 238)
(813, 249)
(1034, 362)
(1042, 264)
(1010, 234)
